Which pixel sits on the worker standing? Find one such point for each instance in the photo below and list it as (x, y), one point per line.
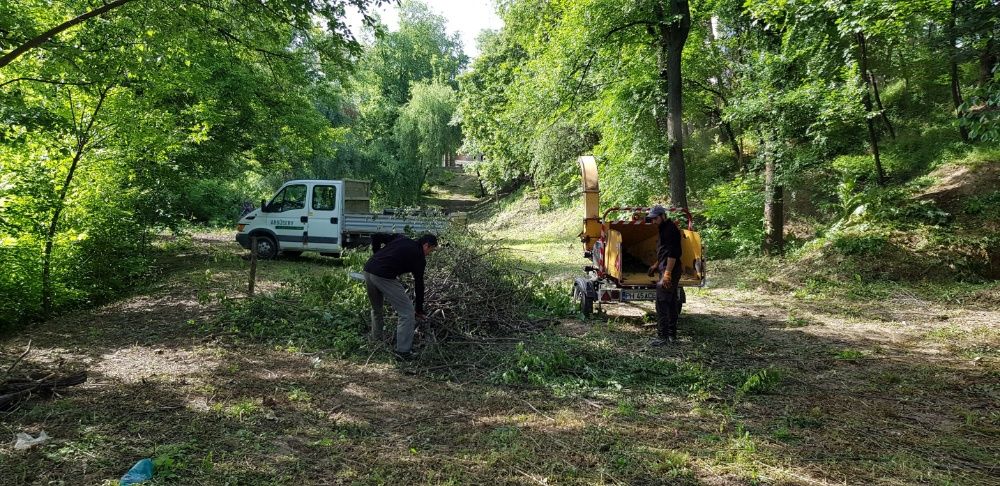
(401, 255)
(668, 265)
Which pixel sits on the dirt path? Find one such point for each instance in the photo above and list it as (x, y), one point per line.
(891, 392)
(458, 191)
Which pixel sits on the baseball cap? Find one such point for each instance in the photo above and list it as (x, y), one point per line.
(656, 211)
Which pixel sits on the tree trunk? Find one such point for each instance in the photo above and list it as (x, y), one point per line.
(48, 34)
(867, 101)
(956, 88)
(673, 26)
(774, 214)
(988, 60)
(479, 179)
(881, 109)
(82, 139)
(727, 128)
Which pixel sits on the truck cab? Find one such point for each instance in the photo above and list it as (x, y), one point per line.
(304, 215)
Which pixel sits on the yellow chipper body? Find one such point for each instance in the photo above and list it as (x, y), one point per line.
(621, 246)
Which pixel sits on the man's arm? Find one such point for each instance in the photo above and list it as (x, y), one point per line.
(418, 290)
(673, 254)
(665, 279)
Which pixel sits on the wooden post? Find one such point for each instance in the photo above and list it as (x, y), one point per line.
(253, 263)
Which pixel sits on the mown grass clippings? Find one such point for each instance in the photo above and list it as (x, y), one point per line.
(569, 366)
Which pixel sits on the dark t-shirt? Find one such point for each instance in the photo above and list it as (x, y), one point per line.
(401, 255)
(668, 245)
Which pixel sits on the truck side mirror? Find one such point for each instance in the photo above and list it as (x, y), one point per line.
(263, 205)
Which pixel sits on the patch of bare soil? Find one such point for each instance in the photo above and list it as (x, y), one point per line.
(955, 182)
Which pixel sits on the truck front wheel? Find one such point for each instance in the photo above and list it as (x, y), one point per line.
(267, 248)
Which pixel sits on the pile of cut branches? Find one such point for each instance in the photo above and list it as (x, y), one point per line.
(476, 291)
(15, 390)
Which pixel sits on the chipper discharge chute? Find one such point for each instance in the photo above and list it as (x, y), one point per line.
(621, 246)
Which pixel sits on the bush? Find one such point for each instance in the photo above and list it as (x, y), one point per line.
(214, 201)
(860, 245)
(20, 281)
(984, 205)
(734, 217)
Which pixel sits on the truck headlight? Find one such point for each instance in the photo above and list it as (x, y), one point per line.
(239, 228)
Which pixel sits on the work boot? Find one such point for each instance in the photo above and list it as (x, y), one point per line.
(405, 356)
(659, 342)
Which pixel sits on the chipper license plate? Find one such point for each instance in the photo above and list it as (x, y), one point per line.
(628, 295)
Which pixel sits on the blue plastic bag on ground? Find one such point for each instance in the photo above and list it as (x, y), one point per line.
(140, 472)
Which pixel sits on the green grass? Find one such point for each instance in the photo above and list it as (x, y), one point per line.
(546, 243)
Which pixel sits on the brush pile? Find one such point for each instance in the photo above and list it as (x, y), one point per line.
(14, 391)
(475, 292)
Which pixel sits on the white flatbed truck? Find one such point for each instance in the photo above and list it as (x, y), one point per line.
(326, 216)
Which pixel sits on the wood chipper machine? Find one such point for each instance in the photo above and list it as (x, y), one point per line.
(621, 247)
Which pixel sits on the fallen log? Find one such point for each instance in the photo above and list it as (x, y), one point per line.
(15, 392)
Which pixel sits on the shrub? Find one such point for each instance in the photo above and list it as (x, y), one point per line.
(734, 217)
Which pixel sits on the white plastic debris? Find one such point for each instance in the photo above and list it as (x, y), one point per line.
(25, 441)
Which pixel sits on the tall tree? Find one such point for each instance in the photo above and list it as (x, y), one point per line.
(425, 132)
(672, 26)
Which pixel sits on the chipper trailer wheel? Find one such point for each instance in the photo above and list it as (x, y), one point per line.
(583, 292)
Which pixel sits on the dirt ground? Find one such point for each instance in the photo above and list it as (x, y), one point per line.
(886, 391)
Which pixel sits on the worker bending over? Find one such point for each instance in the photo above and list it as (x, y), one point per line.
(400, 255)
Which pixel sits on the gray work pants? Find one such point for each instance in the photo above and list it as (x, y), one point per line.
(381, 289)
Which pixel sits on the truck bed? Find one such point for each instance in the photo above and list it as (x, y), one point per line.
(368, 224)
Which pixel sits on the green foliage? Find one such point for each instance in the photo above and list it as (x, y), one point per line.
(548, 300)
(981, 110)
(159, 114)
(763, 81)
(425, 132)
(217, 202)
(284, 320)
(734, 214)
(20, 285)
(849, 354)
(984, 205)
(860, 245)
(197, 108)
(760, 382)
(326, 312)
